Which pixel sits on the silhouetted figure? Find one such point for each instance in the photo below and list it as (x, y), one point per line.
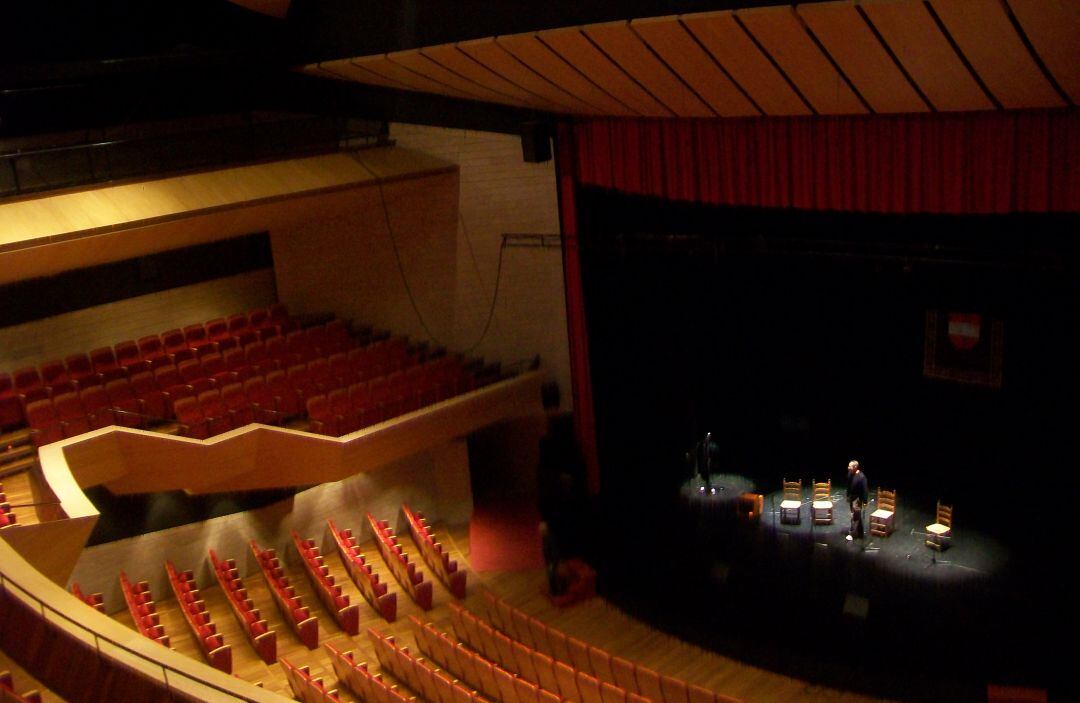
(857, 496)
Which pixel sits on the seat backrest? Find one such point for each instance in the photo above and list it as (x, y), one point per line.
(68, 406)
(886, 499)
(822, 489)
(944, 514)
(187, 410)
(103, 359)
(792, 490)
(53, 372)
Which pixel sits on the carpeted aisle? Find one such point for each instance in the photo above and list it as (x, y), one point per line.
(505, 536)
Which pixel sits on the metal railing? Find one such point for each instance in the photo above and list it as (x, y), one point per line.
(22, 593)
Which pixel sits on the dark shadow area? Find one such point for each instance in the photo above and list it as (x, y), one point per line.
(124, 516)
(797, 339)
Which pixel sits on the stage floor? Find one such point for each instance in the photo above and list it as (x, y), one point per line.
(885, 616)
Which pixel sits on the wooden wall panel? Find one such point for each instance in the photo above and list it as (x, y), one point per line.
(722, 36)
(575, 48)
(1053, 26)
(783, 36)
(852, 44)
(626, 49)
(926, 55)
(528, 49)
(983, 32)
(678, 48)
(490, 54)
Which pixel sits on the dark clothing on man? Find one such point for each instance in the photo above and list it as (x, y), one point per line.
(857, 495)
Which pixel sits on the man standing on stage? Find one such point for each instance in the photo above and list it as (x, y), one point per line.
(857, 495)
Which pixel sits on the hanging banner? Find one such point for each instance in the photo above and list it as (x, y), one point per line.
(963, 346)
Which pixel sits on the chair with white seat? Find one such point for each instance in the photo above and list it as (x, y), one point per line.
(791, 506)
(821, 509)
(882, 520)
(939, 534)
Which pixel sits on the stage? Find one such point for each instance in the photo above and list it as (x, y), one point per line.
(886, 616)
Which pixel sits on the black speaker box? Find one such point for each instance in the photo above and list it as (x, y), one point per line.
(535, 142)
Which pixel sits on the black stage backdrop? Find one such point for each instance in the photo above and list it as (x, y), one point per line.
(797, 339)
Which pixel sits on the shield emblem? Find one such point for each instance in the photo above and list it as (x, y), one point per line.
(964, 330)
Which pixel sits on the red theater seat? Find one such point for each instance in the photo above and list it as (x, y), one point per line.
(96, 402)
(78, 367)
(217, 329)
(26, 379)
(128, 354)
(237, 323)
(154, 401)
(72, 414)
(191, 419)
(218, 417)
(44, 423)
(262, 401)
(173, 341)
(53, 372)
(150, 347)
(232, 395)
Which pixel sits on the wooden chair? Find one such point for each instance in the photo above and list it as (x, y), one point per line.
(822, 508)
(939, 534)
(882, 520)
(791, 505)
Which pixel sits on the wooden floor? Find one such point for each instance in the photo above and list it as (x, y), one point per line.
(595, 621)
(30, 498)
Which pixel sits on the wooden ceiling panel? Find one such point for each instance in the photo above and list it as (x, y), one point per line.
(416, 62)
(852, 44)
(678, 48)
(984, 33)
(722, 36)
(490, 54)
(345, 69)
(779, 30)
(1053, 26)
(626, 49)
(528, 49)
(576, 49)
(453, 59)
(918, 43)
(413, 81)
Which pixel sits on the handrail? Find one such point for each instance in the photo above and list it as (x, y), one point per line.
(173, 677)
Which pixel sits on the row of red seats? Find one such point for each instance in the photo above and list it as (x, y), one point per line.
(403, 568)
(6, 516)
(421, 675)
(494, 681)
(258, 632)
(94, 600)
(337, 603)
(633, 678)
(77, 371)
(140, 604)
(217, 653)
(343, 410)
(437, 558)
(361, 573)
(300, 619)
(307, 688)
(533, 666)
(369, 687)
(8, 694)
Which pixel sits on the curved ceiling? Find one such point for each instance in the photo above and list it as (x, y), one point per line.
(848, 57)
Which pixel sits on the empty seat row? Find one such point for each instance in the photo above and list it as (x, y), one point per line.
(8, 694)
(342, 410)
(404, 569)
(94, 600)
(369, 687)
(6, 516)
(373, 589)
(632, 677)
(494, 681)
(305, 687)
(79, 371)
(300, 619)
(217, 653)
(259, 634)
(346, 615)
(436, 556)
(143, 611)
(421, 675)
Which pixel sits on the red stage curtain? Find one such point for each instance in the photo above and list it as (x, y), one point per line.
(950, 163)
(584, 420)
(980, 162)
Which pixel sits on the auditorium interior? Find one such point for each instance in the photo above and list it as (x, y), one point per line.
(473, 352)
